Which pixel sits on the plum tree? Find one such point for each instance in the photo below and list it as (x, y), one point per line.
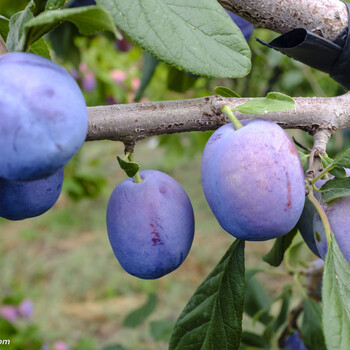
(43, 116)
(25, 199)
(253, 183)
(150, 224)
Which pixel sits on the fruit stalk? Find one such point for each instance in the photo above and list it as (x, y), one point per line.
(228, 112)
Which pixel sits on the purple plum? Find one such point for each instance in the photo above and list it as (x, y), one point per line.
(245, 27)
(25, 199)
(253, 180)
(150, 224)
(294, 342)
(79, 3)
(43, 117)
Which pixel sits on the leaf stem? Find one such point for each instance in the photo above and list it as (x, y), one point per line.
(323, 216)
(228, 112)
(323, 173)
(137, 176)
(3, 47)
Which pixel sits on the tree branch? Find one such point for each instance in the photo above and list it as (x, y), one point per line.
(326, 18)
(133, 122)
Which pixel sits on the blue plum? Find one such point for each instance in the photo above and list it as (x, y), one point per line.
(43, 117)
(25, 199)
(246, 27)
(253, 180)
(305, 226)
(150, 224)
(294, 342)
(79, 3)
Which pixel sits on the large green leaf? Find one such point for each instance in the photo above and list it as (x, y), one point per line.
(54, 4)
(196, 35)
(312, 333)
(40, 48)
(336, 299)
(88, 19)
(212, 319)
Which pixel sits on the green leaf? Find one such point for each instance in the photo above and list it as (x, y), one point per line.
(336, 299)
(150, 64)
(275, 256)
(131, 168)
(88, 19)
(212, 319)
(4, 27)
(252, 339)
(197, 35)
(257, 302)
(335, 188)
(337, 171)
(161, 330)
(225, 92)
(16, 39)
(283, 314)
(54, 4)
(273, 102)
(303, 158)
(343, 159)
(40, 48)
(138, 316)
(180, 81)
(312, 334)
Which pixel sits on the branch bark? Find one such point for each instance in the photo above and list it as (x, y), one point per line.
(326, 18)
(133, 122)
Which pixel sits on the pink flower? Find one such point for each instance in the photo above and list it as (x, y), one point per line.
(89, 82)
(117, 75)
(135, 83)
(9, 313)
(25, 308)
(60, 345)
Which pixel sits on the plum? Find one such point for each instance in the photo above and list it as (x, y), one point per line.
(337, 212)
(79, 3)
(305, 226)
(43, 117)
(294, 342)
(253, 180)
(25, 199)
(150, 224)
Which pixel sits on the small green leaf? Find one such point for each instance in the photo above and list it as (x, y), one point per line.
(225, 92)
(275, 256)
(131, 168)
(54, 4)
(255, 340)
(40, 48)
(283, 314)
(343, 159)
(138, 316)
(150, 64)
(4, 27)
(197, 36)
(303, 158)
(336, 299)
(273, 102)
(212, 319)
(312, 334)
(337, 171)
(161, 330)
(88, 19)
(180, 81)
(335, 188)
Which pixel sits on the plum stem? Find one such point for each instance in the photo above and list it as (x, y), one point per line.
(323, 216)
(3, 47)
(228, 112)
(137, 176)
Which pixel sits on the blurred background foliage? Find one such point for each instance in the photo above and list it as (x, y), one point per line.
(60, 265)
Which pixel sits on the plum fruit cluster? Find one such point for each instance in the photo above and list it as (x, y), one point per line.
(150, 224)
(43, 124)
(253, 180)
